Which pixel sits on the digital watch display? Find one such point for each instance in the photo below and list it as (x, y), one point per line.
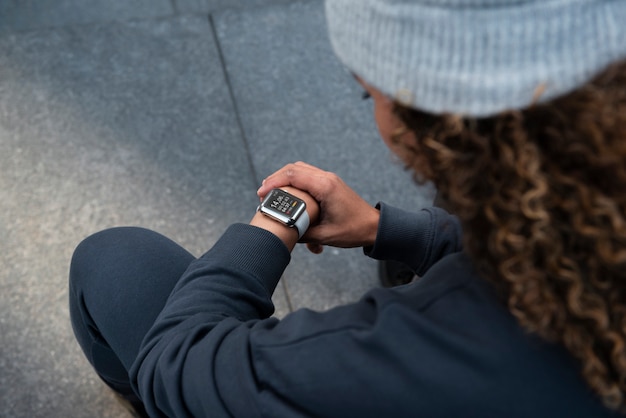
(286, 209)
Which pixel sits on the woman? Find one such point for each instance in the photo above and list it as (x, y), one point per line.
(517, 112)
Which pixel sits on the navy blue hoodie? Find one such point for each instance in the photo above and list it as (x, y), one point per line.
(443, 346)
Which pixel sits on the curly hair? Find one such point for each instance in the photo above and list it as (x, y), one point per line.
(547, 186)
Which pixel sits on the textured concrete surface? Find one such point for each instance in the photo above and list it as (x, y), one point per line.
(159, 115)
(37, 14)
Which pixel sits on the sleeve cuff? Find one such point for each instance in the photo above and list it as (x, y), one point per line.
(254, 250)
(416, 239)
(402, 236)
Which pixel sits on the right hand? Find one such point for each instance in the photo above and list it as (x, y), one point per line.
(345, 220)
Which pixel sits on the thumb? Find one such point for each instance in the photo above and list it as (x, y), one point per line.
(315, 248)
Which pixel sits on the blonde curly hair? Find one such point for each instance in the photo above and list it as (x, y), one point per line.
(547, 186)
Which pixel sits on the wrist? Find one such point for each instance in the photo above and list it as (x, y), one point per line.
(288, 235)
(371, 226)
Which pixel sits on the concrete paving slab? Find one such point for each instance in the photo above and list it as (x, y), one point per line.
(100, 126)
(296, 102)
(206, 6)
(193, 6)
(34, 14)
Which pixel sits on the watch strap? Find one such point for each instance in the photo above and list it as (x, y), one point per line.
(302, 224)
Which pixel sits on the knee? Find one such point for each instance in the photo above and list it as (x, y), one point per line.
(95, 246)
(101, 250)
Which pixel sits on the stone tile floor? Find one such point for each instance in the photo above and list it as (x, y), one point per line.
(163, 114)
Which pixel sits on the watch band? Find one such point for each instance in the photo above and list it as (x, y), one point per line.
(302, 224)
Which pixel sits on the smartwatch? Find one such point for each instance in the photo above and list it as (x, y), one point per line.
(286, 209)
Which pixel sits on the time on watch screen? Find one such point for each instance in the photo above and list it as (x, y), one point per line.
(283, 202)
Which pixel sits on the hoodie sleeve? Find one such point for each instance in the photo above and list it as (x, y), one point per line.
(205, 323)
(417, 239)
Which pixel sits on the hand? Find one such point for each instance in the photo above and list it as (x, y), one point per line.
(345, 219)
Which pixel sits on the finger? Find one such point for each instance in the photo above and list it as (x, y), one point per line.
(276, 179)
(315, 248)
(303, 164)
(293, 172)
(299, 175)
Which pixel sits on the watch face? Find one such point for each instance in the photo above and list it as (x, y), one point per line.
(283, 206)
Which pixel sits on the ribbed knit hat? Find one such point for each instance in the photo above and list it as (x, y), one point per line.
(476, 57)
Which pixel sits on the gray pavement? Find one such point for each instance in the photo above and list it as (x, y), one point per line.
(164, 114)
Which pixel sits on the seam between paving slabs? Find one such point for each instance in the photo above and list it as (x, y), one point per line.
(241, 130)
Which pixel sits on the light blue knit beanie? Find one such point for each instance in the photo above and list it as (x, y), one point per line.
(476, 57)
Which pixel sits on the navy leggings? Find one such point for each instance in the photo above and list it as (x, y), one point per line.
(119, 281)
